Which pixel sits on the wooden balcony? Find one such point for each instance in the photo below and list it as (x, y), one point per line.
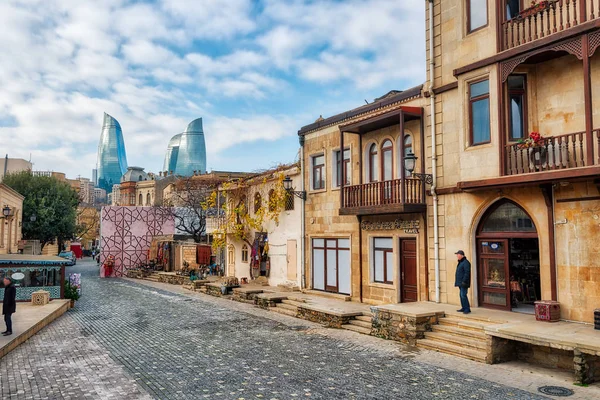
(387, 197)
(558, 152)
(548, 18)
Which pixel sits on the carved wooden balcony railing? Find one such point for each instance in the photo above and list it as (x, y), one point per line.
(547, 18)
(558, 152)
(379, 197)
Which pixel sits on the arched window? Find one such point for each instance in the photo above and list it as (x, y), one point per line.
(245, 253)
(507, 217)
(387, 160)
(408, 148)
(141, 200)
(373, 164)
(230, 254)
(257, 202)
(140, 178)
(272, 200)
(242, 209)
(148, 199)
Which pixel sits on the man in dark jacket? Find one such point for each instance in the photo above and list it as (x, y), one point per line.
(9, 304)
(462, 280)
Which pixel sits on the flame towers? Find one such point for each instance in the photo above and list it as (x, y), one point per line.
(112, 160)
(186, 152)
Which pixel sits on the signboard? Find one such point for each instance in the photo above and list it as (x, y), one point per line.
(409, 226)
(189, 254)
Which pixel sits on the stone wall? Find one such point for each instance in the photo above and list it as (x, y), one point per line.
(326, 319)
(400, 327)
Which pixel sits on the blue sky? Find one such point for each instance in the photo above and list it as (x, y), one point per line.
(255, 71)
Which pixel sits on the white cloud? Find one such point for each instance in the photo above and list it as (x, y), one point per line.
(143, 52)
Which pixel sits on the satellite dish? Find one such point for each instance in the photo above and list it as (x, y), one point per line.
(18, 276)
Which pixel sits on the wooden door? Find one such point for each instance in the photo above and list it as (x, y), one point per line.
(331, 266)
(292, 271)
(493, 276)
(408, 270)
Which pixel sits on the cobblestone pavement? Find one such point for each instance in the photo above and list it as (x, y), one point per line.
(124, 340)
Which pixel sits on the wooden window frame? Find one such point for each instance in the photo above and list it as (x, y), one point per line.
(372, 162)
(521, 8)
(385, 251)
(471, 102)
(487, 17)
(407, 147)
(257, 202)
(245, 253)
(326, 247)
(385, 149)
(320, 168)
(342, 170)
(523, 94)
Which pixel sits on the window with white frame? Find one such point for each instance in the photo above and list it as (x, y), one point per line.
(383, 260)
(341, 167)
(318, 172)
(245, 253)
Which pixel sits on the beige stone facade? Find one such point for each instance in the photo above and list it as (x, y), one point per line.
(556, 188)
(10, 226)
(144, 193)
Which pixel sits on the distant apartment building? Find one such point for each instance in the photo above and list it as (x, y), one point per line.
(13, 165)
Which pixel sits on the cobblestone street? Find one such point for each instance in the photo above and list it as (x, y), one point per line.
(125, 340)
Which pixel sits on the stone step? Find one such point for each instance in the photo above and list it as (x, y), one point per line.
(366, 318)
(292, 302)
(283, 311)
(457, 340)
(462, 323)
(287, 306)
(475, 318)
(356, 328)
(363, 324)
(443, 347)
(455, 330)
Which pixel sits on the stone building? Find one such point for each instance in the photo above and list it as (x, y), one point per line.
(365, 214)
(10, 224)
(13, 165)
(272, 250)
(524, 208)
(144, 192)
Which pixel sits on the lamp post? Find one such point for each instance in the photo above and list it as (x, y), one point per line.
(287, 185)
(33, 217)
(6, 213)
(410, 161)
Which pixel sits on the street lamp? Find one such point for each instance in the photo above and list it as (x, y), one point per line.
(410, 161)
(33, 218)
(6, 211)
(287, 185)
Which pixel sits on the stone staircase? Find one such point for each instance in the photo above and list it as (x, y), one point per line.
(152, 277)
(460, 336)
(360, 323)
(286, 307)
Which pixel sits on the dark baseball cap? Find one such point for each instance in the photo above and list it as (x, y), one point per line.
(462, 253)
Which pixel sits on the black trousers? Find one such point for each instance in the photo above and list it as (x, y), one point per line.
(8, 320)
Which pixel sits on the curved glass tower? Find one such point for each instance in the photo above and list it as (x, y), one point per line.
(112, 160)
(186, 152)
(172, 152)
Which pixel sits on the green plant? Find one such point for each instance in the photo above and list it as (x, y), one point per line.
(71, 291)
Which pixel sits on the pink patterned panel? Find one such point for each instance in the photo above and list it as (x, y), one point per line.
(126, 233)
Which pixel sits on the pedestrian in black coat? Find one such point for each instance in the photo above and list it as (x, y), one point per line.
(462, 280)
(9, 304)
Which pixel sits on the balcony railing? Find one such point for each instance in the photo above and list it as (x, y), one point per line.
(547, 18)
(558, 152)
(386, 193)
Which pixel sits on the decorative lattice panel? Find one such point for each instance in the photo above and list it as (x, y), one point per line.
(40, 298)
(24, 293)
(127, 233)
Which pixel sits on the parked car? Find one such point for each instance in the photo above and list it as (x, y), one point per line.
(69, 255)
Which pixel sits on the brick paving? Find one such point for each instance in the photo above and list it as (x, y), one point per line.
(125, 340)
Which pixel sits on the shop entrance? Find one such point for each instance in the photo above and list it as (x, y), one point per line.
(508, 259)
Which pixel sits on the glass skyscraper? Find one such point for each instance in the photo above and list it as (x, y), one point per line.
(186, 152)
(112, 160)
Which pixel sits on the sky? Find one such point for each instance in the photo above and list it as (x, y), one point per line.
(255, 71)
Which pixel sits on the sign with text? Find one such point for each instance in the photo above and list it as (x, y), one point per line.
(409, 226)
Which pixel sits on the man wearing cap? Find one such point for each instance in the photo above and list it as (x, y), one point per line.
(462, 280)
(9, 304)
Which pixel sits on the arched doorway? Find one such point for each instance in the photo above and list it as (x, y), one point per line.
(508, 258)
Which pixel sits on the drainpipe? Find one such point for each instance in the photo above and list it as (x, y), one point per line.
(303, 223)
(436, 236)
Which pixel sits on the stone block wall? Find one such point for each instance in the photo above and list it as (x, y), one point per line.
(400, 327)
(329, 320)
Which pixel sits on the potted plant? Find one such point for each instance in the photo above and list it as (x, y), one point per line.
(534, 8)
(71, 293)
(535, 145)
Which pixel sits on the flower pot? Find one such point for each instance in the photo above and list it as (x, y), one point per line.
(72, 303)
(538, 158)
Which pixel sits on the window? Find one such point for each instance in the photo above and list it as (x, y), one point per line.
(387, 160)
(408, 148)
(479, 112)
(257, 202)
(132, 199)
(318, 172)
(141, 200)
(373, 167)
(342, 167)
(289, 201)
(513, 8)
(245, 253)
(476, 14)
(383, 260)
(139, 178)
(331, 265)
(517, 109)
(242, 209)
